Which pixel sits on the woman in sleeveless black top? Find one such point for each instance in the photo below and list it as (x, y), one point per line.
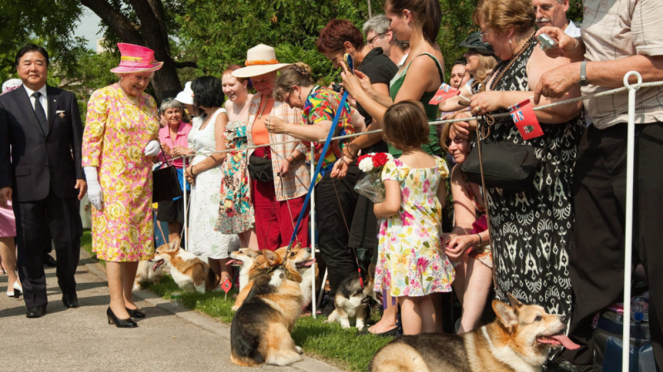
(530, 230)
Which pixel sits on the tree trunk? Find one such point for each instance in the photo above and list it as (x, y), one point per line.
(150, 33)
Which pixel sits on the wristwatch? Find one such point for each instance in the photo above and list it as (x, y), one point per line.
(583, 74)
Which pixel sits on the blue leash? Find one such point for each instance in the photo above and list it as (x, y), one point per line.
(318, 167)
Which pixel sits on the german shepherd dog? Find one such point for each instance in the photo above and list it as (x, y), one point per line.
(188, 271)
(519, 340)
(352, 302)
(260, 330)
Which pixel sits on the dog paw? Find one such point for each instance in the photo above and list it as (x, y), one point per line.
(234, 308)
(299, 349)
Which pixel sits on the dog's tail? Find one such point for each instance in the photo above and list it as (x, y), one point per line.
(398, 357)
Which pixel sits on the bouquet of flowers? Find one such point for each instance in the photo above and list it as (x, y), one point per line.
(370, 185)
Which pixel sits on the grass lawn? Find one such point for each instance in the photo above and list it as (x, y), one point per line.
(329, 342)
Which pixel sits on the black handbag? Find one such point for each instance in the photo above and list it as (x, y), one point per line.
(260, 168)
(506, 165)
(165, 183)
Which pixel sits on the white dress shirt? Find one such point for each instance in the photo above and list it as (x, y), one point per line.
(42, 99)
(572, 30)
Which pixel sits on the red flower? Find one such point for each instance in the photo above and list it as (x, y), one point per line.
(362, 158)
(380, 159)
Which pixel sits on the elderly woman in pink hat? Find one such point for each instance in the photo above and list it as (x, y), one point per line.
(280, 177)
(119, 144)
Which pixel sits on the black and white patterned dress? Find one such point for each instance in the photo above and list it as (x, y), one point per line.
(531, 230)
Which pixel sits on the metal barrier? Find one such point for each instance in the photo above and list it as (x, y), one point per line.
(630, 88)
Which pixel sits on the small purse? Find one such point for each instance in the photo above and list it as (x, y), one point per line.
(165, 183)
(260, 168)
(506, 165)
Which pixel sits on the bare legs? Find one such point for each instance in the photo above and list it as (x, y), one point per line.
(8, 255)
(418, 315)
(174, 230)
(220, 268)
(121, 277)
(472, 286)
(388, 320)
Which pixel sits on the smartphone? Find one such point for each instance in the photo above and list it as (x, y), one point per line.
(349, 62)
(546, 42)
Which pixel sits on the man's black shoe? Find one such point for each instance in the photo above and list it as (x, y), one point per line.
(36, 312)
(50, 261)
(70, 301)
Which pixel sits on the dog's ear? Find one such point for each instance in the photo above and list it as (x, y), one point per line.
(505, 313)
(297, 246)
(272, 258)
(174, 244)
(514, 301)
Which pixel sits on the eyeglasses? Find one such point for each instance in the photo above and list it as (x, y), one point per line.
(483, 34)
(371, 40)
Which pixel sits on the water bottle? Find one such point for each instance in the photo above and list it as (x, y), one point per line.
(640, 308)
(175, 298)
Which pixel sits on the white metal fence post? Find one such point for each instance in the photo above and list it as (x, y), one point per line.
(311, 218)
(186, 207)
(628, 253)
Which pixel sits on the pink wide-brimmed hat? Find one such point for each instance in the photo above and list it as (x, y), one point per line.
(136, 58)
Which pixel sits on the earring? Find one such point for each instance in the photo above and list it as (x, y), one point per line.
(509, 41)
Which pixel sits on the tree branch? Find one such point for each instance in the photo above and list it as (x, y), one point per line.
(186, 64)
(115, 21)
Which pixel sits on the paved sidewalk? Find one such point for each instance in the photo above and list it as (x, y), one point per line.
(170, 338)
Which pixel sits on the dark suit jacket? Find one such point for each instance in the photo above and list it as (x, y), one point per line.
(41, 161)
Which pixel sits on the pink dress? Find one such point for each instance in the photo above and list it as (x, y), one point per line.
(7, 221)
(116, 133)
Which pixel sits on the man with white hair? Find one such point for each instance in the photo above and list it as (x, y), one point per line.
(552, 13)
(378, 34)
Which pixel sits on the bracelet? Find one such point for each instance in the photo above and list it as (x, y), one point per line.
(288, 160)
(480, 240)
(191, 171)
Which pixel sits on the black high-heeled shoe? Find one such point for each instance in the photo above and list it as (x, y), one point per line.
(120, 323)
(136, 313)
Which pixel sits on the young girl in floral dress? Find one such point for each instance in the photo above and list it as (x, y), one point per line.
(411, 263)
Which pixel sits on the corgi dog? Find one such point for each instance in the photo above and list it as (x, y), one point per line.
(147, 274)
(260, 330)
(352, 302)
(299, 257)
(519, 340)
(188, 270)
(243, 258)
(306, 267)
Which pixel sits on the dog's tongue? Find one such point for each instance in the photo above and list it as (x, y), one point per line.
(233, 262)
(306, 263)
(559, 339)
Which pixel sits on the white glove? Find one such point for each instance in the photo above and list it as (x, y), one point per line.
(94, 193)
(152, 148)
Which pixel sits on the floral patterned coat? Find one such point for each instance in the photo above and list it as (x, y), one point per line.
(116, 133)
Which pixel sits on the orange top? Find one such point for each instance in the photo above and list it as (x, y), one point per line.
(258, 131)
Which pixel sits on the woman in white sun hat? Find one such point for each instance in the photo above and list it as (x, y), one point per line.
(280, 177)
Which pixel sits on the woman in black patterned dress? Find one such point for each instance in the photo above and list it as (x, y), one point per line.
(530, 230)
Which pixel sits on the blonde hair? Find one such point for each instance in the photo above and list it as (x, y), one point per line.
(445, 137)
(299, 74)
(499, 15)
(486, 65)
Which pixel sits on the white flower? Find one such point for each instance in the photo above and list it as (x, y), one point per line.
(366, 165)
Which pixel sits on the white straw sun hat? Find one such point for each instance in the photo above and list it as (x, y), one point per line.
(185, 96)
(260, 60)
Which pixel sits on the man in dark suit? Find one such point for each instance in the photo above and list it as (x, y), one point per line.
(44, 130)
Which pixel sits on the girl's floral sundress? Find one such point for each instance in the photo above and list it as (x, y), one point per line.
(411, 258)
